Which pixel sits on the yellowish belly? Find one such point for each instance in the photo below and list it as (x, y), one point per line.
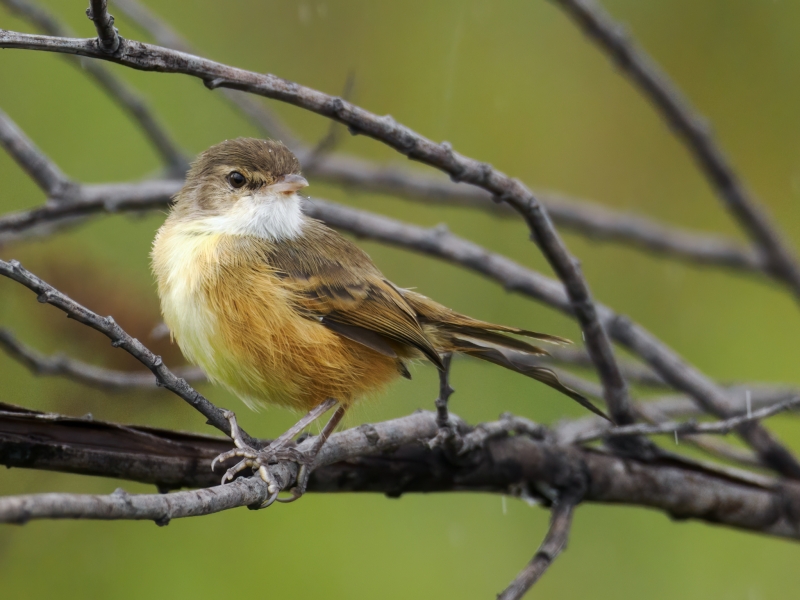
(233, 317)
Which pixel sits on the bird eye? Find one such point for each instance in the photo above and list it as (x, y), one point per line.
(236, 179)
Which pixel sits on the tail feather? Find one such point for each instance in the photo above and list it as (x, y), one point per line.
(522, 364)
(455, 332)
(498, 339)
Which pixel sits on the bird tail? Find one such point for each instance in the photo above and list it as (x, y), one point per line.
(454, 332)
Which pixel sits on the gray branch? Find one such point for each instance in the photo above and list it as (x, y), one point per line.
(123, 94)
(383, 457)
(689, 427)
(119, 339)
(86, 374)
(108, 40)
(40, 168)
(692, 129)
(554, 543)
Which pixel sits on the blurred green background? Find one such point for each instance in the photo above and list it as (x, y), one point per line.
(509, 82)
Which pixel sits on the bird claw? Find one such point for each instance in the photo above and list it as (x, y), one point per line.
(260, 461)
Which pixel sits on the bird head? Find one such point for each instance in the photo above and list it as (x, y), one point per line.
(244, 186)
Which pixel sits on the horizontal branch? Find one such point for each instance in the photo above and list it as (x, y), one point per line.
(384, 458)
(690, 427)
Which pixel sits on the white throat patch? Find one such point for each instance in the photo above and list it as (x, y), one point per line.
(273, 217)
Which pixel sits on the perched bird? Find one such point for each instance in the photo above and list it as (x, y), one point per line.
(281, 309)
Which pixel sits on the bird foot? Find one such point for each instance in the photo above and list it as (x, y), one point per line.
(263, 461)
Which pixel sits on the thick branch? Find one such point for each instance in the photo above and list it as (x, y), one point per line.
(441, 156)
(382, 457)
(692, 129)
(440, 243)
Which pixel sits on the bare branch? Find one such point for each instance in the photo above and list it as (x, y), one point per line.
(664, 408)
(164, 35)
(441, 156)
(107, 37)
(554, 543)
(692, 129)
(690, 427)
(119, 339)
(634, 372)
(119, 91)
(41, 169)
(383, 457)
(161, 508)
(81, 372)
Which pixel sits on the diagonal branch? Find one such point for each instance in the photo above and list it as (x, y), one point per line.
(693, 131)
(385, 129)
(119, 339)
(554, 543)
(41, 169)
(117, 89)
(85, 373)
(260, 115)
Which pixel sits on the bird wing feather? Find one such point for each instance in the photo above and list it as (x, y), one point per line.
(336, 282)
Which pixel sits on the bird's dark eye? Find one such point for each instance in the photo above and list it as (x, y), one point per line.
(236, 179)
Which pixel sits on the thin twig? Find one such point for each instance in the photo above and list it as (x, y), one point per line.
(554, 543)
(385, 129)
(692, 129)
(118, 90)
(82, 372)
(690, 427)
(663, 408)
(119, 339)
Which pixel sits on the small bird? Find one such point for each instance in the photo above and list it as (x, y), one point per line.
(281, 309)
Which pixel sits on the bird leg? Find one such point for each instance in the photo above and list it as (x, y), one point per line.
(447, 436)
(310, 456)
(277, 451)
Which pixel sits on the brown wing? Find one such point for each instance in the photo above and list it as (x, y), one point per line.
(337, 283)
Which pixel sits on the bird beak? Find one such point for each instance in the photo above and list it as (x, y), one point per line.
(288, 184)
